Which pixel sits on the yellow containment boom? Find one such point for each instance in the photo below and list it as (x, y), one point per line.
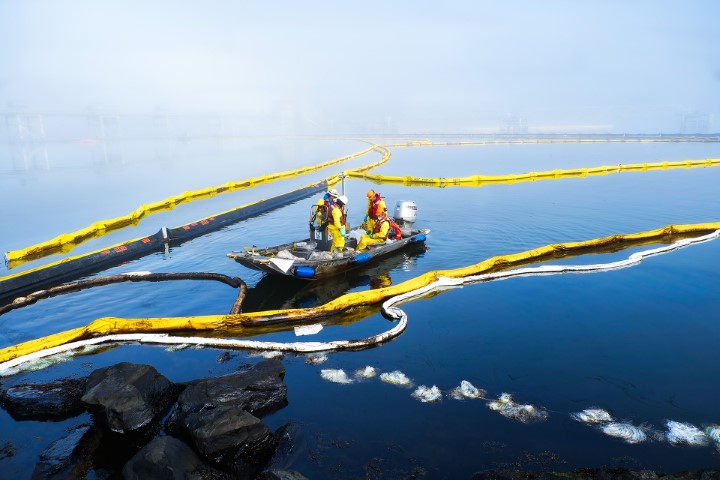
(72, 267)
(65, 242)
(347, 302)
(480, 180)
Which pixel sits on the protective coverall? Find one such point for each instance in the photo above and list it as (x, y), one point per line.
(379, 234)
(336, 229)
(320, 215)
(376, 208)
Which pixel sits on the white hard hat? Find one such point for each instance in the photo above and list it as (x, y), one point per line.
(333, 193)
(342, 199)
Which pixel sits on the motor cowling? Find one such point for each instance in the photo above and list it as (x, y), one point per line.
(405, 215)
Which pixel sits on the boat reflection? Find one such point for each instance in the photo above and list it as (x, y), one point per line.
(275, 292)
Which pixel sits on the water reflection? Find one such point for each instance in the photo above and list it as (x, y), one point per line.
(639, 342)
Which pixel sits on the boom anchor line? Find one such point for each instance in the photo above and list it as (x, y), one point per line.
(101, 331)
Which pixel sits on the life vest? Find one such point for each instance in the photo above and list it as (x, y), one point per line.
(393, 226)
(374, 206)
(326, 217)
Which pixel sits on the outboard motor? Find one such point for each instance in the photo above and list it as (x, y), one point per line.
(405, 215)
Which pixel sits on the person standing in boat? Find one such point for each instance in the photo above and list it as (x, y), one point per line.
(320, 209)
(336, 224)
(376, 207)
(381, 228)
(319, 215)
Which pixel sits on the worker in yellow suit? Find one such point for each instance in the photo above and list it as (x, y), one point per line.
(336, 224)
(322, 207)
(378, 235)
(320, 217)
(376, 207)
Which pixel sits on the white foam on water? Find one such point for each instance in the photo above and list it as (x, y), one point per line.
(396, 378)
(713, 432)
(367, 372)
(272, 354)
(266, 354)
(427, 394)
(685, 433)
(456, 394)
(316, 359)
(39, 364)
(335, 376)
(178, 347)
(592, 416)
(507, 407)
(624, 431)
(50, 360)
(470, 391)
(466, 390)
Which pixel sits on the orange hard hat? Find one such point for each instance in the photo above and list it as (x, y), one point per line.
(370, 193)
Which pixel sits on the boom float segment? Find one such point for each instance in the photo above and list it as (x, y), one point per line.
(114, 255)
(480, 180)
(67, 241)
(71, 287)
(410, 289)
(558, 139)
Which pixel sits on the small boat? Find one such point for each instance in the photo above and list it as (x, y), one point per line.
(273, 292)
(308, 260)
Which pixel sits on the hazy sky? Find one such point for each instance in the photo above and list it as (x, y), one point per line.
(635, 66)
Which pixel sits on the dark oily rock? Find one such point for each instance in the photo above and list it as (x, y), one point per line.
(168, 458)
(58, 400)
(225, 427)
(231, 438)
(127, 397)
(277, 474)
(58, 460)
(259, 389)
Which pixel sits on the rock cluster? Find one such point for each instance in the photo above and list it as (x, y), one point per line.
(146, 426)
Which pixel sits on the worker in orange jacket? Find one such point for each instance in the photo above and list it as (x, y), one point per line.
(376, 206)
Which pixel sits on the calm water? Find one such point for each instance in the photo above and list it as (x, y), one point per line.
(639, 342)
